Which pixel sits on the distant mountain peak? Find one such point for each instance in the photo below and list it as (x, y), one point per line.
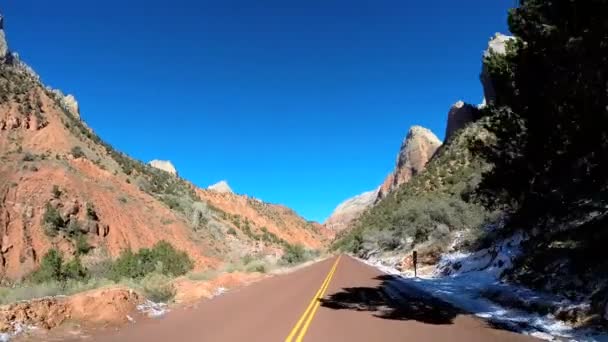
(164, 165)
(417, 149)
(350, 209)
(221, 187)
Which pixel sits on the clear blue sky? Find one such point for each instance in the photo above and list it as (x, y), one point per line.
(303, 103)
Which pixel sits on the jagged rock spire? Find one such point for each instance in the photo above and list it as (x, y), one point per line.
(3, 44)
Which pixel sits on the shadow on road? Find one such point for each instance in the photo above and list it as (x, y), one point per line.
(384, 301)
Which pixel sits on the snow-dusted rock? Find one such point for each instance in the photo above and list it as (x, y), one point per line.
(164, 165)
(221, 187)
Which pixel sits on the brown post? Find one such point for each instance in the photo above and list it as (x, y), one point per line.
(415, 261)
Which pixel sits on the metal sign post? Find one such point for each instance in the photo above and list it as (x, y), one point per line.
(415, 261)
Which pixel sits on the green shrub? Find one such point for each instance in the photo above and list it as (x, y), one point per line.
(74, 270)
(91, 213)
(293, 254)
(77, 152)
(256, 266)
(56, 191)
(29, 157)
(52, 268)
(52, 220)
(82, 245)
(162, 258)
(157, 287)
(231, 231)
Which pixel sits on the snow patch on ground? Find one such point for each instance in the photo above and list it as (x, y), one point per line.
(17, 328)
(152, 309)
(219, 291)
(462, 278)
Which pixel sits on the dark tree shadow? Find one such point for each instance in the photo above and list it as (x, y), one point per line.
(389, 302)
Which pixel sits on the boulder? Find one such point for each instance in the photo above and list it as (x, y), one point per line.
(71, 209)
(104, 231)
(91, 227)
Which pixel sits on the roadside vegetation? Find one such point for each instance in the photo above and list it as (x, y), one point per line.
(149, 270)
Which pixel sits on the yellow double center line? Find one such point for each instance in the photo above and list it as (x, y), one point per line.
(304, 321)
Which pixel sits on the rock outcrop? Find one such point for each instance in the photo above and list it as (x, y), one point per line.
(460, 115)
(221, 187)
(4, 52)
(164, 165)
(498, 45)
(349, 210)
(417, 149)
(68, 102)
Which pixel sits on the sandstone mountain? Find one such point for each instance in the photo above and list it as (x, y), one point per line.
(349, 210)
(221, 186)
(460, 115)
(418, 147)
(62, 187)
(416, 150)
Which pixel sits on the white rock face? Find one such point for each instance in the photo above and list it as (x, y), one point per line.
(3, 44)
(498, 45)
(459, 115)
(67, 101)
(164, 165)
(350, 209)
(71, 104)
(221, 187)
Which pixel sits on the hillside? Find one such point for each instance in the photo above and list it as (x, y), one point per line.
(517, 192)
(62, 187)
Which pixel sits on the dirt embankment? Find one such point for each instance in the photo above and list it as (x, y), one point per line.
(104, 307)
(100, 306)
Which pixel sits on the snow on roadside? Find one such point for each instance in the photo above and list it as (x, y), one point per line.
(17, 328)
(152, 309)
(461, 278)
(219, 291)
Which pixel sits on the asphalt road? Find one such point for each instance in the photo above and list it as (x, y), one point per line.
(338, 299)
